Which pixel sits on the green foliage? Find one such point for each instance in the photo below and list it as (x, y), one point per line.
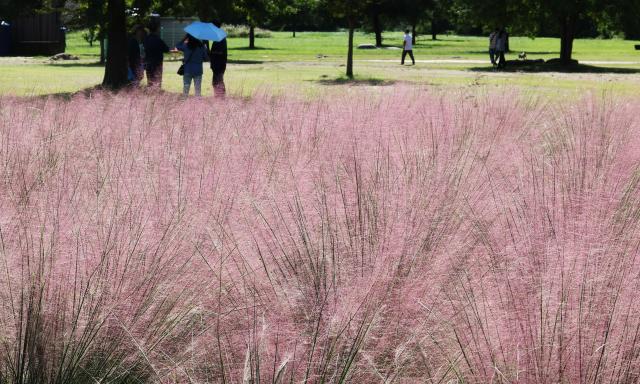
(533, 17)
(352, 11)
(10, 9)
(256, 12)
(541, 17)
(91, 35)
(289, 12)
(88, 15)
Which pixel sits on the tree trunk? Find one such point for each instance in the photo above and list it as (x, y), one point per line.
(350, 51)
(252, 37)
(434, 30)
(377, 28)
(413, 32)
(102, 51)
(567, 35)
(115, 73)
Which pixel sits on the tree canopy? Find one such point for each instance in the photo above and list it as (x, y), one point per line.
(552, 17)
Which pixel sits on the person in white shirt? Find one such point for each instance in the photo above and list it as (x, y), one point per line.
(407, 47)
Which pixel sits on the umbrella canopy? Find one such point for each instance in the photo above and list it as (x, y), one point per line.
(205, 31)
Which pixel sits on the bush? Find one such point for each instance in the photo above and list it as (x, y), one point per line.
(398, 236)
(243, 31)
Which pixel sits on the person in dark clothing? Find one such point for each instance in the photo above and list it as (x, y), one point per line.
(136, 55)
(218, 60)
(502, 46)
(493, 42)
(154, 49)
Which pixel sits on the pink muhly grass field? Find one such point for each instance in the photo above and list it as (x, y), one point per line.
(402, 237)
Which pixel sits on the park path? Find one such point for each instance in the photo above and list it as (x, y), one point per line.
(467, 61)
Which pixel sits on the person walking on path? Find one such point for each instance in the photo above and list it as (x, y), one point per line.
(407, 47)
(218, 60)
(136, 55)
(502, 46)
(154, 49)
(194, 55)
(493, 40)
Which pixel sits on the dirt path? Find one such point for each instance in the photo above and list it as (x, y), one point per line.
(467, 61)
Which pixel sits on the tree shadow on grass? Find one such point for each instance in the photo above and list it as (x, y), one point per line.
(368, 81)
(100, 89)
(245, 62)
(514, 66)
(388, 46)
(74, 64)
(67, 96)
(442, 44)
(441, 39)
(81, 64)
(427, 46)
(253, 49)
(514, 52)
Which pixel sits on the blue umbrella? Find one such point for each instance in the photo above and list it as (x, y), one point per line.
(205, 31)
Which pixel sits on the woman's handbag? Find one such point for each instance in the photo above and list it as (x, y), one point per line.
(181, 69)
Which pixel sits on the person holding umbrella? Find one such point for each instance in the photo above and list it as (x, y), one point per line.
(194, 56)
(218, 54)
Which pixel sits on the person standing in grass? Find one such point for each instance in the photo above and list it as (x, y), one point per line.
(136, 55)
(218, 57)
(407, 47)
(493, 40)
(194, 55)
(502, 46)
(154, 49)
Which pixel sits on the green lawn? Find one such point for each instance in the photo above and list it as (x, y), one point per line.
(308, 45)
(315, 60)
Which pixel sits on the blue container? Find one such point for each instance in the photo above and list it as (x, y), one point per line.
(5, 39)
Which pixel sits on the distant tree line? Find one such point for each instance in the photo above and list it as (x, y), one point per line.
(566, 19)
